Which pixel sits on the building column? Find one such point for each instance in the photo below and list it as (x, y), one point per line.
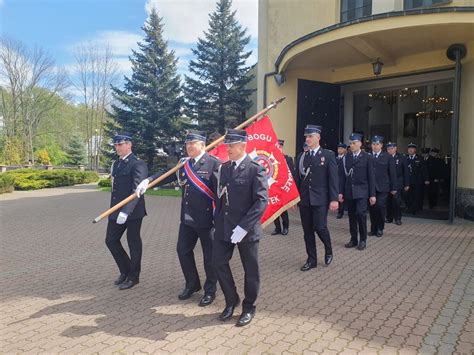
(348, 115)
(465, 188)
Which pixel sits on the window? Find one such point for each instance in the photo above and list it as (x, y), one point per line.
(414, 4)
(353, 9)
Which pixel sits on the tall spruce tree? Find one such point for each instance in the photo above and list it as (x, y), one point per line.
(149, 106)
(217, 95)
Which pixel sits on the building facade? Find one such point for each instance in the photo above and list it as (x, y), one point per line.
(374, 67)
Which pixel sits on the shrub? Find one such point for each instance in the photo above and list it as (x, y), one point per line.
(28, 179)
(43, 157)
(105, 183)
(6, 183)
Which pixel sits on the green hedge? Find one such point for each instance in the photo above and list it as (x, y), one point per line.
(28, 179)
(6, 183)
(105, 183)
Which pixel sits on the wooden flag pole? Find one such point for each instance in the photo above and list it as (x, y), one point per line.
(219, 140)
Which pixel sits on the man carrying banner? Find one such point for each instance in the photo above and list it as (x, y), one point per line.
(126, 173)
(318, 184)
(242, 195)
(196, 215)
(284, 216)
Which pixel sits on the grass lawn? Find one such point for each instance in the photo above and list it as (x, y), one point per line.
(159, 192)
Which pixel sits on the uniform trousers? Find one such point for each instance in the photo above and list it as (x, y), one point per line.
(394, 211)
(187, 239)
(222, 253)
(378, 212)
(284, 219)
(357, 211)
(314, 219)
(129, 266)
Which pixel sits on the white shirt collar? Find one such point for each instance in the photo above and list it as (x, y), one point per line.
(340, 155)
(315, 150)
(377, 154)
(237, 162)
(125, 157)
(199, 157)
(357, 154)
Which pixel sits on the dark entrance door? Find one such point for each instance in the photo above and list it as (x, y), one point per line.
(319, 103)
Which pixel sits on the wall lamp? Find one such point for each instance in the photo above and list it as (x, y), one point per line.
(377, 66)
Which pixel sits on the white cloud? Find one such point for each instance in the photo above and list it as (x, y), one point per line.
(120, 43)
(185, 20)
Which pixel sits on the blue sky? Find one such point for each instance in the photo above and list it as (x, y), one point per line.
(59, 25)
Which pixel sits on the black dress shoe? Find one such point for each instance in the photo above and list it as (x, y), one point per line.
(206, 300)
(328, 259)
(351, 244)
(372, 233)
(284, 231)
(339, 215)
(228, 311)
(128, 284)
(361, 246)
(388, 220)
(398, 222)
(245, 318)
(308, 266)
(187, 293)
(379, 233)
(276, 232)
(120, 279)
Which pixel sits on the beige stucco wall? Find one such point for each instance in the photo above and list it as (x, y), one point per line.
(466, 122)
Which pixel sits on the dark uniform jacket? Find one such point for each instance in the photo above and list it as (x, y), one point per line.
(245, 201)
(291, 165)
(401, 168)
(435, 168)
(384, 172)
(340, 168)
(126, 175)
(321, 183)
(360, 180)
(196, 208)
(418, 170)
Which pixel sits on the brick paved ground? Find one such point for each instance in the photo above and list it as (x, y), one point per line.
(410, 291)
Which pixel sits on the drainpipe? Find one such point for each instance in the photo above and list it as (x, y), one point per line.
(456, 52)
(265, 86)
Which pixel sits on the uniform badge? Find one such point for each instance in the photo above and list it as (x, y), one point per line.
(322, 160)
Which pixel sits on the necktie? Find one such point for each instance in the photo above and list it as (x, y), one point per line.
(306, 161)
(192, 161)
(313, 153)
(234, 166)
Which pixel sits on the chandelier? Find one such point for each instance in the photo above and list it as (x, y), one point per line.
(432, 110)
(392, 97)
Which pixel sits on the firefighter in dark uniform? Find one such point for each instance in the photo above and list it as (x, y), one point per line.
(341, 152)
(402, 185)
(385, 180)
(418, 177)
(435, 168)
(318, 185)
(284, 215)
(242, 196)
(357, 186)
(126, 174)
(196, 215)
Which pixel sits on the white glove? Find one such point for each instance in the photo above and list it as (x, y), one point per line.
(141, 188)
(238, 235)
(122, 218)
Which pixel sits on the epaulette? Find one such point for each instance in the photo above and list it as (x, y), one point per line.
(226, 163)
(255, 162)
(213, 157)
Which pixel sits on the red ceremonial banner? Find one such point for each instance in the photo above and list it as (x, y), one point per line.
(262, 146)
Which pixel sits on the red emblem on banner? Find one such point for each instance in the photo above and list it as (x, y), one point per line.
(262, 146)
